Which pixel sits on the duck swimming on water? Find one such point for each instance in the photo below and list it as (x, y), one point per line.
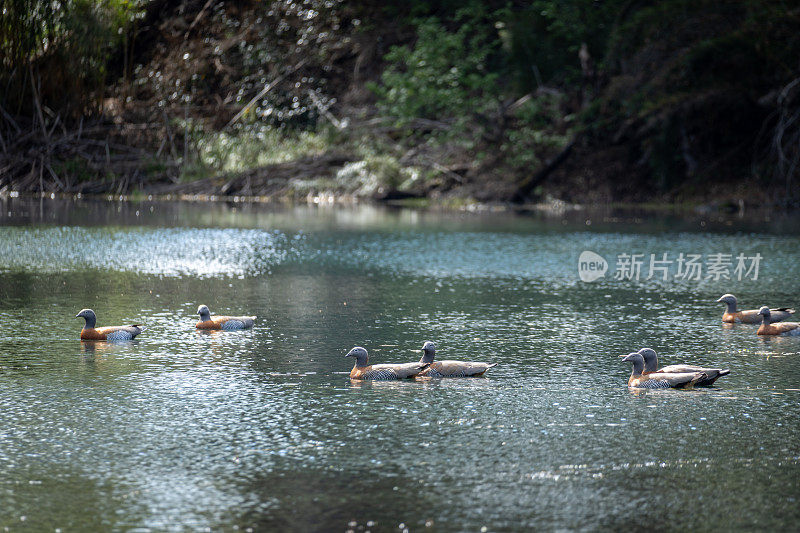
(783, 329)
(651, 366)
(659, 380)
(363, 370)
(449, 369)
(108, 333)
(227, 323)
(750, 316)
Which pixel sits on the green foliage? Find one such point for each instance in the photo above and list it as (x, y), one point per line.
(76, 167)
(536, 134)
(224, 152)
(445, 74)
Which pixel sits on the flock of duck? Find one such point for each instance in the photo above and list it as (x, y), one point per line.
(645, 373)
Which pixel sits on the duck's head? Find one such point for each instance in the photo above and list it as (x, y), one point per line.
(637, 360)
(361, 355)
(89, 316)
(428, 352)
(764, 312)
(633, 357)
(204, 312)
(729, 299)
(650, 359)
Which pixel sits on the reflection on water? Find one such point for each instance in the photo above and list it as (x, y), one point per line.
(263, 428)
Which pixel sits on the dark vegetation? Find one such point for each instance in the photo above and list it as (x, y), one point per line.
(575, 100)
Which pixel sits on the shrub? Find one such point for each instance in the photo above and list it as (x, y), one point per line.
(445, 74)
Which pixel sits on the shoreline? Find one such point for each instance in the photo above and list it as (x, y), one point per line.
(454, 204)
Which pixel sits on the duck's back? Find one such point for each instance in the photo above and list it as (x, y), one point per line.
(742, 317)
(751, 316)
(385, 372)
(227, 323)
(665, 380)
(456, 369)
(111, 333)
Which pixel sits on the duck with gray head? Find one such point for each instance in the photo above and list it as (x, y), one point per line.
(227, 323)
(749, 316)
(783, 329)
(109, 333)
(651, 366)
(388, 371)
(447, 368)
(658, 380)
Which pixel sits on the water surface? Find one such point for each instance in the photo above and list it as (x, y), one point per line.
(259, 429)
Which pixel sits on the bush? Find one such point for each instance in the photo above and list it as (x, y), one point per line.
(445, 74)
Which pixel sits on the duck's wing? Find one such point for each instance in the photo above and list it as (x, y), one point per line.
(712, 374)
(232, 322)
(395, 371)
(120, 332)
(459, 369)
(780, 314)
(660, 380)
(245, 321)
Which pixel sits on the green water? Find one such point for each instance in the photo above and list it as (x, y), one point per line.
(180, 430)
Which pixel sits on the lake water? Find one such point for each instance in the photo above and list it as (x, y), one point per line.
(181, 430)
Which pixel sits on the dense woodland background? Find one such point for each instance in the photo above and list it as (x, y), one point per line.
(571, 100)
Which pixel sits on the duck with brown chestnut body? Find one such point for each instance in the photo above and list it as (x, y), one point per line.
(783, 329)
(227, 323)
(749, 316)
(108, 333)
(364, 370)
(651, 366)
(659, 380)
(450, 369)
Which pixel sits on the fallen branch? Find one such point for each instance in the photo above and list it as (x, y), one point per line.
(526, 186)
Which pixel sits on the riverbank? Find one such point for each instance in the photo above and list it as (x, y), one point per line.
(340, 178)
(419, 103)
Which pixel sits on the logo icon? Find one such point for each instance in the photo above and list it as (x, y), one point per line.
(591, 266)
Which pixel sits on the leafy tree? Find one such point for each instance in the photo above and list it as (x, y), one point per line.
(446, 74)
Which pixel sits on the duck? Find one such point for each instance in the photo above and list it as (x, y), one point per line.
(784, 329)
(227, 323)
(750, 316)
(651, 365)
(108, 333)
(449, 369)
(384, 372)
(659, 380)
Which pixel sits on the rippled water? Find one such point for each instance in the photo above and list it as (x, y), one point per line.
(186, 430)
